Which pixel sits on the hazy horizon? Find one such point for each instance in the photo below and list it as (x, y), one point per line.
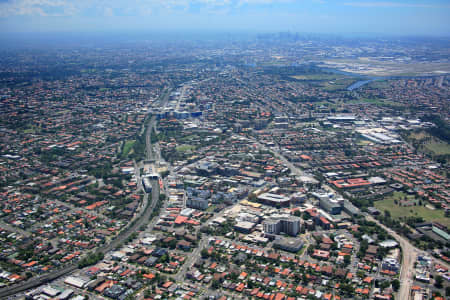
(346, 17)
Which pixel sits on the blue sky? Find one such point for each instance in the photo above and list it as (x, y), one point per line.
(398, 17)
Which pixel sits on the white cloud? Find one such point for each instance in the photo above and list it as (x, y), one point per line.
(391, 4)
(37, 8)
(108, 12)
(107, 7)
(139, 7)
(262, 1)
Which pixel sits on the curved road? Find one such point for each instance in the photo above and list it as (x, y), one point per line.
(409, 256)
(141, 219)
(36, 281)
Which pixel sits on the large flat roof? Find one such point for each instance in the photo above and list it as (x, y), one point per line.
(273, 197)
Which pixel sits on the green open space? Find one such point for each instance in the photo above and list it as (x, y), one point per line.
(335, 78)
(185, 148)
(127, 148)
(362, 142)
(400, 212)
(418, 135)
(429, 144)
(29, 130)
(438, 147)
(315, 76)
(187, 138)
(378, 84)
(337, 84)
(378, 102)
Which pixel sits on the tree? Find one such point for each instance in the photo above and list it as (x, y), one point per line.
(215, 284)
(347, 260)
(90, 259)
(148, 293)
(164, 258)
(396, 284)
(347, 288)
(162, 279)
(363, 248)
(438, 281)
(304, 278)
(385, 284)
(204, 253)
(250, 284)
(306, 217)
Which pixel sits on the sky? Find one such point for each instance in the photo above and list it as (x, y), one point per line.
(396, 17)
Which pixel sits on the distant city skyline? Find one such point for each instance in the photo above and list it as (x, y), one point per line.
(407, 17)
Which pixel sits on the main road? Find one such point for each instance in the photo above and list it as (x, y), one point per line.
(409, 256)
(189, 263)
(142, 218)
(162, 101)
(409, 252)
(294, 170)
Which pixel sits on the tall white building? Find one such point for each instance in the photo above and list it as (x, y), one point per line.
(289, 225)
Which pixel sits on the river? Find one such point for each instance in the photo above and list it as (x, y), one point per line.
(358, 84)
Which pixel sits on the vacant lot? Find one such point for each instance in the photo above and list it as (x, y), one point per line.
(398, 212)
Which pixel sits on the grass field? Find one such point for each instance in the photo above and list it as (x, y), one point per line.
(127, 148)
(328, 82)
(398, 212)
(29, 130)
(338, 84)
(438, 147)
(362, 142)
(430, 144)
(378, 102)
(325, 77)
(316, 77)
(185, 148)
(188, 138)
(418, 135)
(380, 84)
